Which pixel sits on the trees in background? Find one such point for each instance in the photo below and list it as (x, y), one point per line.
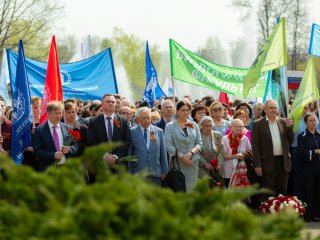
(295, 13)
(29, 20)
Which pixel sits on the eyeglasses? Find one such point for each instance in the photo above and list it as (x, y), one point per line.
(217, 109)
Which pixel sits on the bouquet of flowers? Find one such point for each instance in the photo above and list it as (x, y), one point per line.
(73, 136)
(215, 176)
(276, 204)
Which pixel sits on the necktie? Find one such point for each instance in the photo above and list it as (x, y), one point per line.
(109, 126)
(145, 136)
(56, 138)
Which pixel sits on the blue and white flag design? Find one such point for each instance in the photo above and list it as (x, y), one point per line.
(314, 47)
(88, 79)
(22, 114)
(153, 90)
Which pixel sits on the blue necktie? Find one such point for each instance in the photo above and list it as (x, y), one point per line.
(109, 129)
(145, 136)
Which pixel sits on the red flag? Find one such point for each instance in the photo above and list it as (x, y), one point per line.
(223, 98)
(53, 87)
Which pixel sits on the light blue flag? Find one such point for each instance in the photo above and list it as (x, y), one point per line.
(4, 78)
(88, 79)
(275, 90)
(153, 90)
(22, 114)
(314, 47)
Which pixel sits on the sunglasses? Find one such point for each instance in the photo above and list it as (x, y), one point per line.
(217, 109)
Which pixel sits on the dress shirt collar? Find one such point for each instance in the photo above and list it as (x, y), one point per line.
(105, 116)
(142, 128)
(267, 119)
(51, 124)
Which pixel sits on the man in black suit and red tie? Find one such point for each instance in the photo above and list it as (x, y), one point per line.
(110, 127)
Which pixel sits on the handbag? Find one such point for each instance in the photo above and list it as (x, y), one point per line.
(175, 178)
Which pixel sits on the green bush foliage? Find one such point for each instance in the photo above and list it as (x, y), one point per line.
(58, 204)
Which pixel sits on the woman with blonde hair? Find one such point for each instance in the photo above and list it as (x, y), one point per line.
(216, 112)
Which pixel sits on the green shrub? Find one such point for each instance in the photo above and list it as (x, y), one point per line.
(58, 204)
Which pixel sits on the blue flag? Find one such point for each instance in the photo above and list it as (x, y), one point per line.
(153, 90)
(314, 47)
(88, 79)
(22, 115)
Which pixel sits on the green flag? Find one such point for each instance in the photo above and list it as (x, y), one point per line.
(307, 92)
(272, 56)
(191, 68)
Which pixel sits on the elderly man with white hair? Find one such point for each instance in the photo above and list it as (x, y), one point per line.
(148, 146)
(167, 110)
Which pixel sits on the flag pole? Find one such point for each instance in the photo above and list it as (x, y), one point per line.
(171, 67)
(173, 92)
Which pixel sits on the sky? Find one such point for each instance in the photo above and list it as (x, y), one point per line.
(188, 22)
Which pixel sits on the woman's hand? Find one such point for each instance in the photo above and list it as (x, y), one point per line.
(240, 156)
(186, 160)
(208, 166)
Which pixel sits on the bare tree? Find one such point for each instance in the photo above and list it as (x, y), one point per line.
(298, 33)
(267, 12)
(26, 19)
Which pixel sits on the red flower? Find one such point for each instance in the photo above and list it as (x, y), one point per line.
(214, 163)
(116, 122)
(152, 137)
(189, 125)
(73, 136)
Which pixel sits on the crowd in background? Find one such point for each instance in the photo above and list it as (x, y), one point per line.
(196, 132)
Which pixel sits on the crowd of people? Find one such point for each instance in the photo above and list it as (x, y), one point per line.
(194, 132)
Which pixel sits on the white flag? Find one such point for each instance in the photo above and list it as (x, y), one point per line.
(4, 78)
(83, 52)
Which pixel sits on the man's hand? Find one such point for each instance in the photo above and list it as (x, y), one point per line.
(111, 159)
(258, 171)
(58, 155)
(65, 149)
(29, 149)
(289, 122)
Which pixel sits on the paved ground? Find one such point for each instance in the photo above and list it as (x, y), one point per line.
(313, 228)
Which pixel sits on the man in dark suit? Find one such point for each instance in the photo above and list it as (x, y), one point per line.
(110, 127)
(167, 110)
(49, 139)
(271, 137)
(148, 146)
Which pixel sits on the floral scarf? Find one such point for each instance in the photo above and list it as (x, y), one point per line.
(234, 142)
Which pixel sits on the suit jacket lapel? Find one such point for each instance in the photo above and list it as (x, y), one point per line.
(178, 129)
(152, 144)
(267, 128)
(103, 125)
(140, 136)
(116, 130)
(47, 132)
(64, 131)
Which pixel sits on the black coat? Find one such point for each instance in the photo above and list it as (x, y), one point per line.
(307, 144)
